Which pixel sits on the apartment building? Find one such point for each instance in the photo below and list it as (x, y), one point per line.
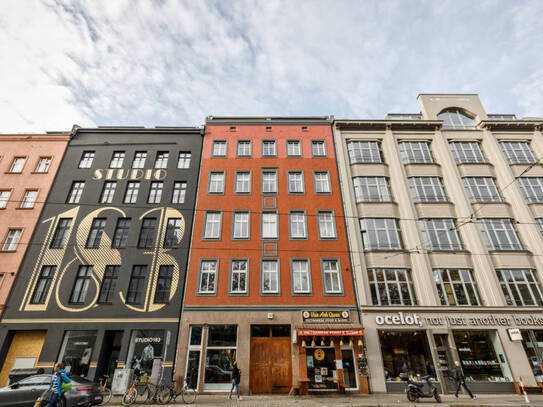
(269, 282)
(444, 213)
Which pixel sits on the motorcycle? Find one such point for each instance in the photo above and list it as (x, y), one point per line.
(415, 390)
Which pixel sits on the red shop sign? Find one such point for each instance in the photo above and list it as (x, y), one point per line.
(330, 332)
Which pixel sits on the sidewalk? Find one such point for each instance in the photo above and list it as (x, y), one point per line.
(377, 400)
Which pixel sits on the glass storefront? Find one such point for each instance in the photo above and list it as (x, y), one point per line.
(76, 351)
(145, 345)
(321, 368)
(533, 345)
(220, 354)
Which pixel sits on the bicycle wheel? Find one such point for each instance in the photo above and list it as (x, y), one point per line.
(129, 397)
(164, 395)
(142, 397)
(106, 396)
(189, 396)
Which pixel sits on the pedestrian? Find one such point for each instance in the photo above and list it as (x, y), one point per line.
(460, 379)
(57, 379)
(236, 375)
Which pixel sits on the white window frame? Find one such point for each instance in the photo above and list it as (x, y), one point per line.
(467, 152)
(518, 152)
(375, 229)
(29, 199)
(326, 224)
(4, 198)
(239, 272)
(266, 219)
(464, 281)
(117, 159)
(270, 181)
(241, 224)
(301, 277)
(482, 189)
(212, 271)
(268, 151)
(381, 289)
(509, 282)
(12, 240)
(212, 225)
(532, 188)
(17, 165)
(296, 179)
(416, 152)
(216, 182)
(493, 228)
(427, 189)
(372, 189)
(244, 148)
(364, 152)
(329, 274)
(297, 222)
(272, 272)
(296, 151)
(240, 182)
(322, 182)
(40, 168)
(440, 234)
(219, 148)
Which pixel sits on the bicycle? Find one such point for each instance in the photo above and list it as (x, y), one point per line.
(168, 393)
(138, 393)
(106, 391)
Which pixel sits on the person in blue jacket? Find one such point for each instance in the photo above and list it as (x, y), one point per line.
(59, 376)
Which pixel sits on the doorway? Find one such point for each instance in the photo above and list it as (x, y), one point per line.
(111, 347)
(271, 365)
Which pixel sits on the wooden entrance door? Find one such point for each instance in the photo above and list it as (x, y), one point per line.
(271, 366)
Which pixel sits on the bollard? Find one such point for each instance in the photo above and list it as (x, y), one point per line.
(523, 390)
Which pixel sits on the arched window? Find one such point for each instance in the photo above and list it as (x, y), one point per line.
(456, 119)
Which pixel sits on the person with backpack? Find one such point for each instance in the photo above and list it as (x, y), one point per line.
(460, 379)
(59, 377)
(236, 377)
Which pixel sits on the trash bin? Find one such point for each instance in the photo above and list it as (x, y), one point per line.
(18, 374)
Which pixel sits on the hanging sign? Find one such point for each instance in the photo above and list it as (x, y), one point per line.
(514, 334)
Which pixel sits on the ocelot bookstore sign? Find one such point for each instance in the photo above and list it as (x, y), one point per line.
(317, 317)
(414, 319)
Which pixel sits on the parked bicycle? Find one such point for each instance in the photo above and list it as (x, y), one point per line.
(168, 393)
(140, 392)
(106, 391)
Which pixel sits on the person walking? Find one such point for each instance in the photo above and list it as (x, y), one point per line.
(460, 379)
(56, 384)
(236, 376)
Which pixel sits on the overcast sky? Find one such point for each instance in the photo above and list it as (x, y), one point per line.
(118, 62)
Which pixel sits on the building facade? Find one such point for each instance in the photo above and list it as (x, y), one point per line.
(444, 212)
(101, 284)
(269, 281)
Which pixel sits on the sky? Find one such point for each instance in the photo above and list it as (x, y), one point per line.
(172, 63)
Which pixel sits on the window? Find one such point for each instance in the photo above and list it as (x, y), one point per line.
(42, 286)
(243, 182)
(532, 188)
(61, 233)
(318, 148)
(427, 189)
(517, 152)
(270, 225)
(161, 160)
(131, 194)
(81, 285)
(467, 152)
(269, 182)
(520, 287)
(239, 274)
(86, 159)
(173, 233)
(372, 189)
(481, 189)
(440, 234)
(208, 276)
(29, 198)
(391, 287)
(179, 192)
(117, 159)
(155, 192)
(269, 148)
(108, 192)
(244, 148)
(109, 282)
(212, 225)
(43, 164)
(17, 164)
(296, 182)
(183, 161)
(216, 182)
(364, 152)
(294, 148)
(456, 287)
(76, 191)
(95, 233)
(240, 225)
(12, 239)
(4, 198)
(139, 159)
(380, 234)
(147, 233)
(301, 280)
(120, 235)
(136, 286)
(322, 182)
(219, 148)
(456, 119)
(331, 277)
(327, 225)
(270, 277)
(219, 357)
(298, 227)
(164, 285)
(540, 224)
(499, 234)
(415, 152)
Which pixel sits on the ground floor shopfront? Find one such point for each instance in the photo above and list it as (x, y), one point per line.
(276, 350)
(495, 347)
(89, 348)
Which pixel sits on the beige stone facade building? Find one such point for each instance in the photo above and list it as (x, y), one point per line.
(444, 214)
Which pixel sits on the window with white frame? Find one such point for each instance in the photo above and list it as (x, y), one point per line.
(296, 182)
(467, 152)
(243, 182)
(456, 119)
(86, 159)
(499, 234)
(12, 239)
(131, 194)
(269, 182)
(298, 227)
(440, 234)
(244, 148)
(517, 152)
(240, 229)
(117, 159)
(179, 192)
(269, 148)
(216, 182)
(183, 160)
(520, 287)
(390, 286)
(139, 159)
(212, 227)
(43, 164)
(4, 198)
(322, 182)
(239, 274)
(327, 225)
(415, 152)
(208, 276)
(456, 287)
(380, 234)
(318, 148)
(270, 276)
(332, 277)
(481, 189)
(364, 152)
(532, 188)
(17, 164)
(161, 160)
(76, 191)
(108, 191)
(301, 281)
(372, 189)
(427, 189)
(219, 148)
(270, 229)
(294, 148)
(540, 224)
(155, 192)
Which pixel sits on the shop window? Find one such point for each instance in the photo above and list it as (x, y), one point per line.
(405, 352)
(321, 367)
(533, 346)
(220, 354)
(194, 355)
(144, 346)
(76, 351)
(391, 287)
(456, 287)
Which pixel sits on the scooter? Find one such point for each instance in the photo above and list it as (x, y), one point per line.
(415, 390)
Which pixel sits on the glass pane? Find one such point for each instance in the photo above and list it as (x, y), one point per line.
(222, 335)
